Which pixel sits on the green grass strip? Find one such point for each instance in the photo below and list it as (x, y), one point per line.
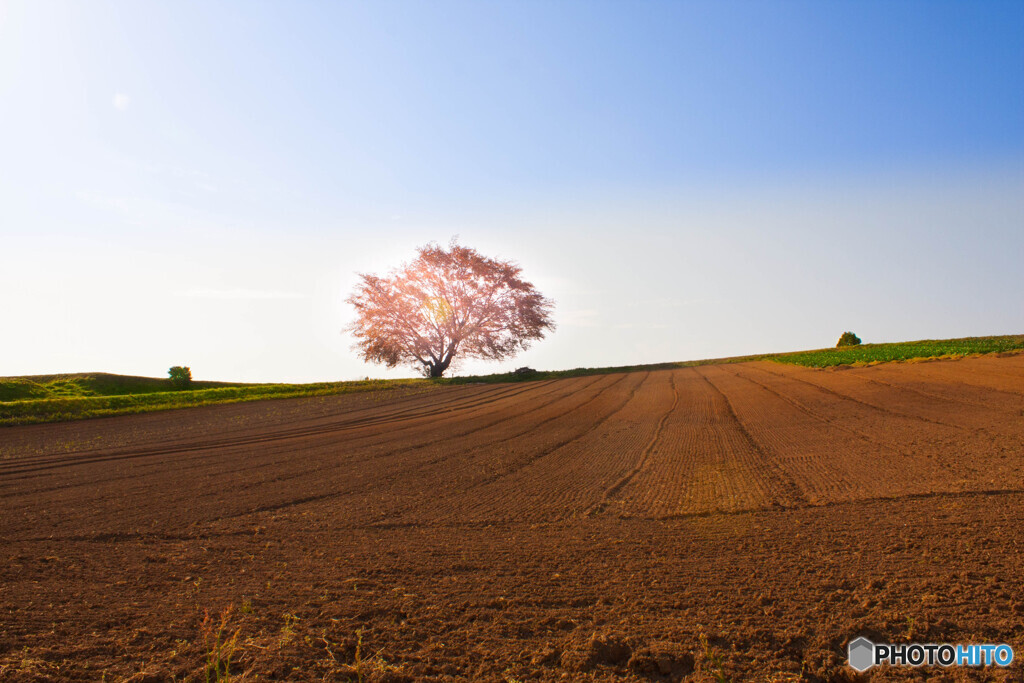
(51, 398)
(76, 408)
(902, 351)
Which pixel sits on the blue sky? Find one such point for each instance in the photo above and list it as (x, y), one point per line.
(198, 182)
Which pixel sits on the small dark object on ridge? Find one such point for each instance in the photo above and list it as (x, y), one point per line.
(181, 377)
(848, 339)
(524, 371)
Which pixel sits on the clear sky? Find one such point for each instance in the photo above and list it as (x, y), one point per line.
(198, 183)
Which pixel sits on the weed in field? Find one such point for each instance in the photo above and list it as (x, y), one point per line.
(327, 646)
(357, 661)
(911, 623)
(714, 659)
(288, 630)
(180, 645)
(219, 645)
(363, 666)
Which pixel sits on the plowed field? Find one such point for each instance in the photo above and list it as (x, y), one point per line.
(592, 528)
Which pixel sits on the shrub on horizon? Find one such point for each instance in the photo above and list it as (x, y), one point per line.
(848, 339)
(181, 377)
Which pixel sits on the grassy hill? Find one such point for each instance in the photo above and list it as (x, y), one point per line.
(52, 398)
(80, 384)
(49, 398)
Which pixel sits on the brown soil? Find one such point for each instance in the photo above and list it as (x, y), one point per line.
(583, 529)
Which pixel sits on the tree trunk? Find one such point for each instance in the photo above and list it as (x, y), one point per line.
(437, 368)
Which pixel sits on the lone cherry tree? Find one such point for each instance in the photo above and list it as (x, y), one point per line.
(444, 304)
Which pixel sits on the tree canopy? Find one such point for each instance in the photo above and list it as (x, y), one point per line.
(445, 304)
(848, 339)
(180, 376)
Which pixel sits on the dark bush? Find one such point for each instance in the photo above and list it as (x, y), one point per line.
(525, 372)
(848, 339)
(181, 377)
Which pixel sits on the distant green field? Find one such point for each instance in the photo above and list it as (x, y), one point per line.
(83, 384)
(819, 358)
(881, 353)
(51, 398)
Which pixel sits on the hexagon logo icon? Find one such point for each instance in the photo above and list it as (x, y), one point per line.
(861, 653)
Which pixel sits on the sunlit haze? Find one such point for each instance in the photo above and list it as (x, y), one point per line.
(200, 183)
